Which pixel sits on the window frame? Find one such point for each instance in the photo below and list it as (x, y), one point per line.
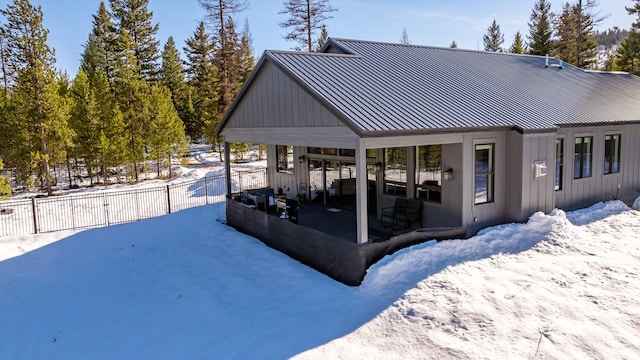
(581, 160)
(489, 174)
(394, 187)
(285, 164)
(559, 166)
(613, 146)
(428, 190)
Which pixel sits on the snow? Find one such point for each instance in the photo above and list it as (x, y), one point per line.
(563, 285)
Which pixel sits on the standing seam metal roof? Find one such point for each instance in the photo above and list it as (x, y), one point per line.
(383, 87)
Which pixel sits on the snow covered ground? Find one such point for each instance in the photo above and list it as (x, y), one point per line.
(185, 286)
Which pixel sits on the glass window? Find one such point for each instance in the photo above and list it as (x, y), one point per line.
(347, 152)
(429, 172)
(582, 161)
(395, 171)
(284, 154)
(484, 173)
(372, 153)
(611, 154)
(559, 163)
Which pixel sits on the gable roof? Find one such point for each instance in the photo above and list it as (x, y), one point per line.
(382, 88)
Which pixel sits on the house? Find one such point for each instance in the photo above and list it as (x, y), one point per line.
(479, 138)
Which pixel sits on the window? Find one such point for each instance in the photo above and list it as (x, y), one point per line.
(484, 173)
(559, 163)
(284, 154)
(611, 154)
(429, 172)
(395, 171)
(582, 161)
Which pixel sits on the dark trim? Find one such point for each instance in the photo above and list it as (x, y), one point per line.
(599, 123)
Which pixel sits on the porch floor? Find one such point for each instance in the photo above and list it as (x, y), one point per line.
(340, 222)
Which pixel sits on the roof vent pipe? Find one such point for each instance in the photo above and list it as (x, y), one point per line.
(546, 61)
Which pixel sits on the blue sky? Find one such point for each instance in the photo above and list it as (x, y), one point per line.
(427, 22)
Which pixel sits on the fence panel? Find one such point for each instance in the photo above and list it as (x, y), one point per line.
(16, 217)
(135, 205)
(70, 212)
(103, 209)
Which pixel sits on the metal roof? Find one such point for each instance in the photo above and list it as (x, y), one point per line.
(387, 87)
(382, 88)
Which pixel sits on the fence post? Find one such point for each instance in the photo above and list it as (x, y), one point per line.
(35, 217)
(168, 199)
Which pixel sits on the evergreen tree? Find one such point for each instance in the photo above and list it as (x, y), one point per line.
(247, 62)
(634, 10)
(85, 122)
(404, 38)
(40, 111)
(540, 28)
(305, 18)
(99, 50)
(132, 93)
(134, 17)
(5, 187)
(627, 57)
(166, 131)
(201, 78)
(219, 14)
(172, 75)
(518, 46)
(494, 38)
(453, 45)
(576, 37)
(324, 35)
(113, 150)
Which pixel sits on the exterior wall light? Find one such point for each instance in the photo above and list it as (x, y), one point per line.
(448, 174)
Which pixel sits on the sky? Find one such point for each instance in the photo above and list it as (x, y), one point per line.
(563, 285)
(427, 23)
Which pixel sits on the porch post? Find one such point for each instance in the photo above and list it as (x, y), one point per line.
(361, 194)
(227, 167)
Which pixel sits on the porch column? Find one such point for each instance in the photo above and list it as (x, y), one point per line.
(227, 167)
(361, 194)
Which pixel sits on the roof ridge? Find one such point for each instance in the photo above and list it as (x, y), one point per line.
(339, 40)
(303, 53)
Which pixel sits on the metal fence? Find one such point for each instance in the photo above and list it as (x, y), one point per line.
(83, 211)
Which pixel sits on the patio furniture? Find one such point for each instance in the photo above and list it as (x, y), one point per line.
(403, 213)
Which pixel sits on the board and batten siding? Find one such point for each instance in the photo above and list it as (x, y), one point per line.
(578, 193)
(276, 106)
(527, 193)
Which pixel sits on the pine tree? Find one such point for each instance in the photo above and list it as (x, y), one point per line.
(494, 38)
(5, 187)
(453, 45)
(518, 46)
(132, 93)
(85, 122)
(627, 57)
(99, 50)
(201, 78)
(247, 61)
(166, 131)
(219, 14)
(134, 17)
(172, 75)
(635, 9)
(576, 37)
(540, 28)
(113, 150)
(305, 18)
(404, 38)
(40, 111)
(324, 35)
